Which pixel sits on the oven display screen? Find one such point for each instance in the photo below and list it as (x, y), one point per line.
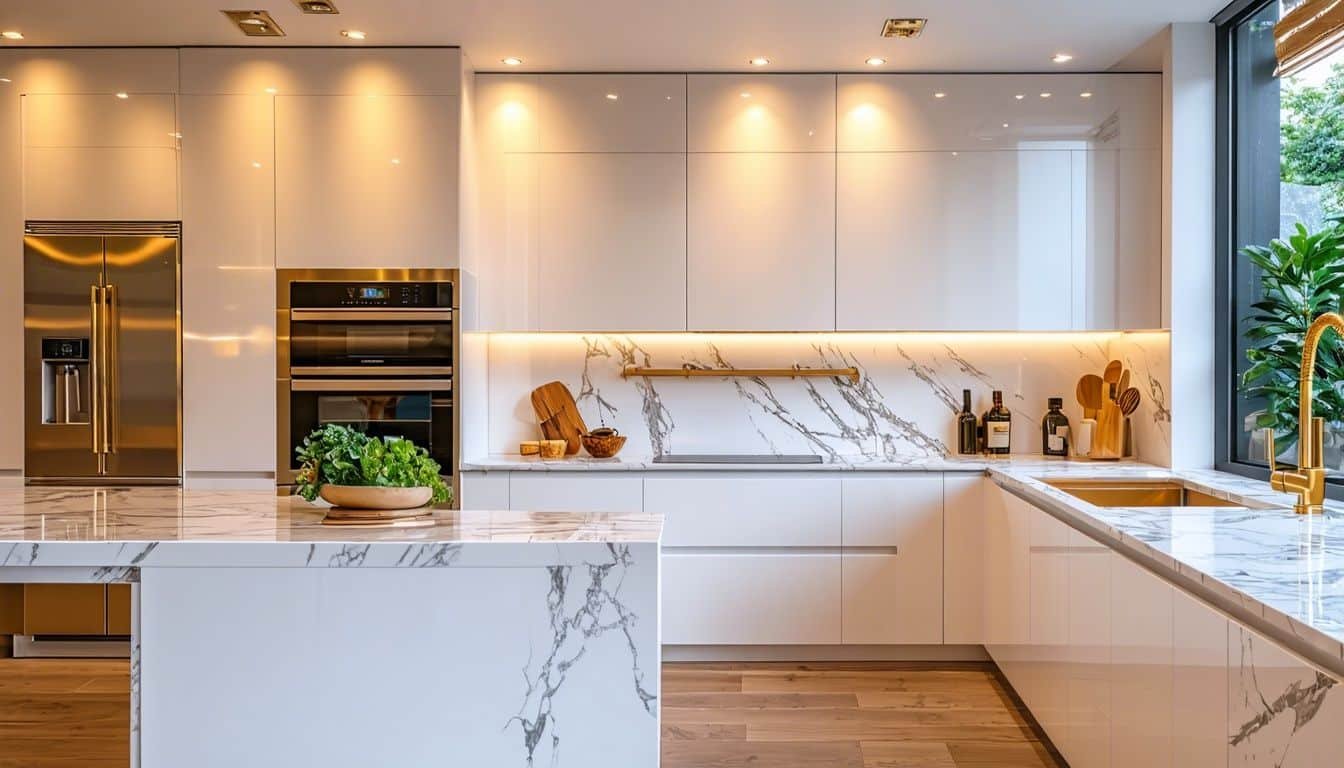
(372, 292)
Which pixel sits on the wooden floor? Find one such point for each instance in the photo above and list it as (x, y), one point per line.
(68, 713)
(844, 716)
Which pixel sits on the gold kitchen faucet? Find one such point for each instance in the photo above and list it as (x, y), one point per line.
(1307, 480)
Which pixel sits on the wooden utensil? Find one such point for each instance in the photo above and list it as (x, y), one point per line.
(1129, 401)
(1113, 371)
(1123, 385)
(1089, 395)
(559, 415)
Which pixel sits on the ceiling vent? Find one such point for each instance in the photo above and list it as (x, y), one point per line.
(319, 7)
(255, 23)
(907, 28)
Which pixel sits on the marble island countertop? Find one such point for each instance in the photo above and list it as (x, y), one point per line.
(1276, 571)
(120, 529)
(912, 463)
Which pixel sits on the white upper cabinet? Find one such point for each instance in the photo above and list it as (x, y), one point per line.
(761, 221)
(100, 156)
(953, 241)
(228, 283)
(923, 113)
(366, 180)
(581, 113)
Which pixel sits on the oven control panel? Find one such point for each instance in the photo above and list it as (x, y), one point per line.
(332, 295)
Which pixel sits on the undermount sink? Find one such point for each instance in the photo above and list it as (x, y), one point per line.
(1138, 493)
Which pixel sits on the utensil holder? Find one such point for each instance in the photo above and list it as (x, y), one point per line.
(1108, 437)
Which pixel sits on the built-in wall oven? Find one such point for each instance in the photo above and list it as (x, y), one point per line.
(371, 349)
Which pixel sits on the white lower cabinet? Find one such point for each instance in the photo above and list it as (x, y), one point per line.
(1141, 666)
(1199, 679)
(744, 509)
(1087, 741)
(576, 492)
(964, 545)
(1007, 584)
(751, 599)
(892, 598)
(1047, 693)
(1281, 712)
(484, 490)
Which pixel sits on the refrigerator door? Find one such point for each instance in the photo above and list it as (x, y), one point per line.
(61, 276)
(143, 369)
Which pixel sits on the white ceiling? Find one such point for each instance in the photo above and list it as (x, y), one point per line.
(637, 35)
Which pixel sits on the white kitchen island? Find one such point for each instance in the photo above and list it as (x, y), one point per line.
(262, 637)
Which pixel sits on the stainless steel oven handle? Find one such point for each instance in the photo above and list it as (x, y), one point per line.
(371, 385)
(370, 370)
(360, 315)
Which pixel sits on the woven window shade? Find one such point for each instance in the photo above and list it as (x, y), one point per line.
(1307, 34)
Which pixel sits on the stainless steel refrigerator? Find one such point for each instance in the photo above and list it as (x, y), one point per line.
(102, 343)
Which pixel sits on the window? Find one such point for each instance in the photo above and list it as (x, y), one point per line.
(1281, 160)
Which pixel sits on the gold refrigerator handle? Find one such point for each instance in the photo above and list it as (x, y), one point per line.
(95, 369)
(112, 330)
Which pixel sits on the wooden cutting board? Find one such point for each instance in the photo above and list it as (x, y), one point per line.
(559, 415)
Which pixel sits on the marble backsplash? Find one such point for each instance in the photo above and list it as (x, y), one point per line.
(903, 405)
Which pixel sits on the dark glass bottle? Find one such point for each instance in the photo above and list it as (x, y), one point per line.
(998, 428)
(968, 427)
(1055, 429)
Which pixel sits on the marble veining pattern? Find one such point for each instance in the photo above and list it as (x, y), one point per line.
(577, 617)
(114, 532)
(903, 405)
(1281, 712)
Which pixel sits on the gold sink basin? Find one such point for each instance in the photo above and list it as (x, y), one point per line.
(1138, 493)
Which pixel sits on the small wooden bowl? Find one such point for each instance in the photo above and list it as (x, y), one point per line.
(381, 501)
(603, 446)
(529, 448)
(553, 449)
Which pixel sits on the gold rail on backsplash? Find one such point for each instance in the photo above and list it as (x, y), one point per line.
(795, 372)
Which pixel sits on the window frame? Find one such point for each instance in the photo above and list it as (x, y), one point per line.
(1227, 211)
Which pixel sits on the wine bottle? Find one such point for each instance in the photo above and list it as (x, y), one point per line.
(1055, 429)
(968, 427)
(998, 428)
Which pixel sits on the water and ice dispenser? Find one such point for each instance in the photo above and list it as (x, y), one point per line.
(65, 381)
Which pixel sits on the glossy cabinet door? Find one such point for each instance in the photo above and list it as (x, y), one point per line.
(1282, 712)
(1116, 222)
(100, 157)
(946, 240)
(892, 587)
(761, 241)
(1087, 743)
(1047, 693)
(576, 492)
(1141, 666)
(64, 609)
(1199, 677)
(761, 218)
(964, 554)
(1008, 584)
(744, 509)
(366, 181)
(228, 283)
(609, 241)
(762, 598)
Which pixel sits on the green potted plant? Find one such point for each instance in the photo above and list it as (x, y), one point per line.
(1300, 278)
(348, 468)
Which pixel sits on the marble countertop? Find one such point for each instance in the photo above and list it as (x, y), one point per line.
(119, 529)
(1276, 571)
(914, 463)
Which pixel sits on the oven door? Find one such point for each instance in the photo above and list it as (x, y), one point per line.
(420, 410)
(343, 342)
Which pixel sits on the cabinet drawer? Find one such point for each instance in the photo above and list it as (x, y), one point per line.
(892, 599)
(893, 511)
(734, 509)
(572, 492)
(753, 599)
(64, 609)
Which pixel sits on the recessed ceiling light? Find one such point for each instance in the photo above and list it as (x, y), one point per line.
(940, 95)
(1062, 58)
(511, 61)
(255, 23)
(256, 164)
(875, 61)
(1046, 94)
(903, 27)
(12, 34)
(353, 34)
(759, 61)
(320, 7)
(270, 89)
(175, 135)
(1005, 125)
(613, 96)
(396, 161)
(1085, 95)
(4, 80)
(745, 95)
(123, 95)
(1020, 96)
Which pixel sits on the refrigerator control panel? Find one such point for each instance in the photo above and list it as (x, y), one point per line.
(65, 349)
